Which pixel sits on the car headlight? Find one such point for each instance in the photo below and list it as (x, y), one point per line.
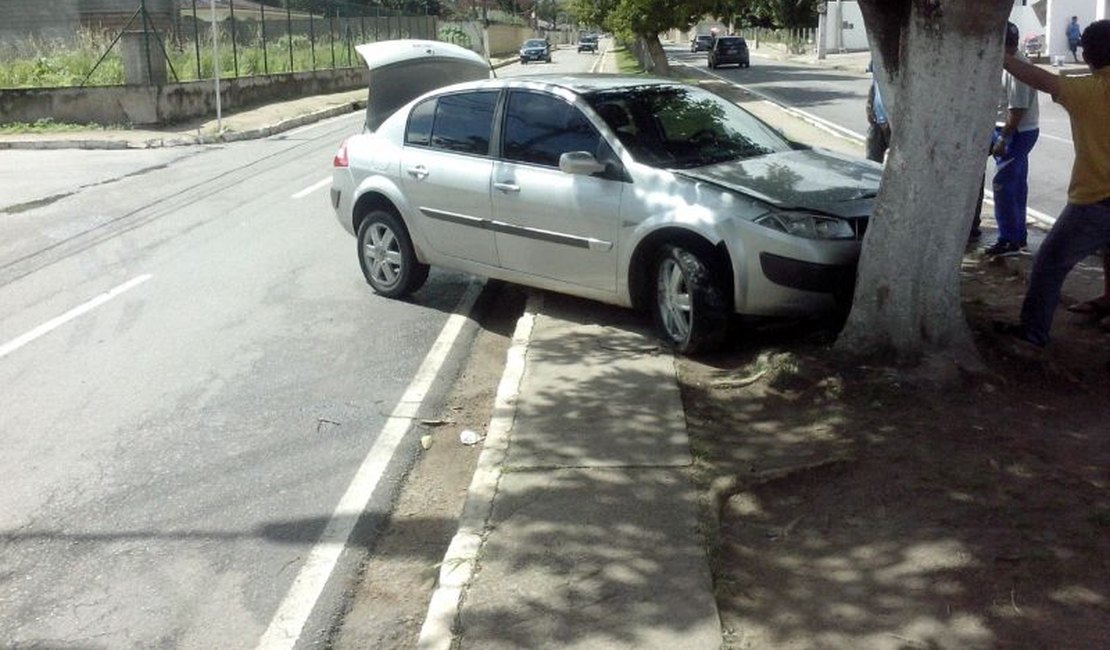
(808, 225)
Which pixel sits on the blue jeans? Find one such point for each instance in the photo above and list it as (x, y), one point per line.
(1011, 185)
(1081, 230)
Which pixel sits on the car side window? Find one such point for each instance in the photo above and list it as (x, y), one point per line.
(462, 122)
(419, 131)
(540, 128)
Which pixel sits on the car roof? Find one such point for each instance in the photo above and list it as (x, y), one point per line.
(579, 84)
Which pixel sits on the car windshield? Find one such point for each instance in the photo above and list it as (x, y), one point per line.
(682, 127)
(534, 43)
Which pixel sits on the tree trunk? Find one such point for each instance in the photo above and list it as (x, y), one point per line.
(939, 64)
(655, 58)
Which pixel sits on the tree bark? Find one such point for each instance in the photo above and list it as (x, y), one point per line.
(938, 64)
(655, 57)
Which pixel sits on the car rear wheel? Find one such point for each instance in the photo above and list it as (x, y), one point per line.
(691, 310)
(386, 256)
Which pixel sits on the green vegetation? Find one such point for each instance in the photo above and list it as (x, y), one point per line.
(38, 63)
(626, 62)
(48, 125)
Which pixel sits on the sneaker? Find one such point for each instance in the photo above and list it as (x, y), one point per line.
(1003, 248)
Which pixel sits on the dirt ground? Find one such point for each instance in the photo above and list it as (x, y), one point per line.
(859, 511)
(846, 507)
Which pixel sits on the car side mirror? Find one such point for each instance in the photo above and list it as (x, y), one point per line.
(580, 162)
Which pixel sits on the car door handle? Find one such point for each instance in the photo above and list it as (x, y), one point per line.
(507, 188)
(419, 172)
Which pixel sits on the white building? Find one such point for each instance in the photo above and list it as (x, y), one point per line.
(844, 30)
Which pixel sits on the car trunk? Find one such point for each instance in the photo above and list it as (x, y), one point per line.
(402, 70)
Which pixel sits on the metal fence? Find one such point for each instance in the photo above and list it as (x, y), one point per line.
(261, 39)
(196, 39)
(796, 41)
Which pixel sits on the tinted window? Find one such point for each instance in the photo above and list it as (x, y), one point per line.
(463, 122)
(420, 123)
(540, 128)
(729, 42)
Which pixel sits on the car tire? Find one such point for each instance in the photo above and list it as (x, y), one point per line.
(387, 257)
(690, 308)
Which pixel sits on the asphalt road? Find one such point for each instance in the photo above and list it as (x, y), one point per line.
(192, 372)
(195, 381)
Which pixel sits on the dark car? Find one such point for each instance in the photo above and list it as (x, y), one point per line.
(701, 43)
(587, 43)
(729, 50)
(535, 49)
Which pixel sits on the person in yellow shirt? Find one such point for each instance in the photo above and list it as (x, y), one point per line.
(1084, 225)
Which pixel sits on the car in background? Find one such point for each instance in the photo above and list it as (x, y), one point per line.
(701, 43)
(535, 49)
(639, 192)
(587, 43)
(729, 50)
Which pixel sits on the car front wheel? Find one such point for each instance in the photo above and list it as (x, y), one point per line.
(691, 310)
(387, 257)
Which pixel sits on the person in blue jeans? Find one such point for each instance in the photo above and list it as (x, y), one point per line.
(1073, 33)
(1011, 142)
(1084, 225)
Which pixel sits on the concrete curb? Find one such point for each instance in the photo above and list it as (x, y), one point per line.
(179, 140)
(460, 562)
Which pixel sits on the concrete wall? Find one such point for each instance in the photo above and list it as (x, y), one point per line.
(1059, 15)
(22, 18)
(151, 105)
(506, 39)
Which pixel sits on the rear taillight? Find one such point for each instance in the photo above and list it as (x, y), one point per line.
(340, 159)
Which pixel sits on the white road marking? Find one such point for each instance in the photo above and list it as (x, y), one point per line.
(1056, 137)
(310, 189)
(55, 323)
(285, 627)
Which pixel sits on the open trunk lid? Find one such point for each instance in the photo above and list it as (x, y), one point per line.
(402, 70)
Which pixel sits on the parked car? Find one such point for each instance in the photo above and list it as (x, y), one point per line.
(587, 43)
(535, 49)
(727, 50)
(646, 193)
(701, 43)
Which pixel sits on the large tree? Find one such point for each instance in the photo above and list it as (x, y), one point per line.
(938, 64)
(642, 20)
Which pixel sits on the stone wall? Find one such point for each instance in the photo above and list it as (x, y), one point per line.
(159, 105)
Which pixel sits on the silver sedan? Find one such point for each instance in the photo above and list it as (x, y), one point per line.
(639, 192)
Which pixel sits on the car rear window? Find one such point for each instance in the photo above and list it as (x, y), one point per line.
(461, 122)
(727, 41)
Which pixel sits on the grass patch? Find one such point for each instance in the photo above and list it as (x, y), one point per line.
(626, 63)
(48, 125)
(58, 63)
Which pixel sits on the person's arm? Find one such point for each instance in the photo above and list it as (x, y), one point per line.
(1031, 75)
